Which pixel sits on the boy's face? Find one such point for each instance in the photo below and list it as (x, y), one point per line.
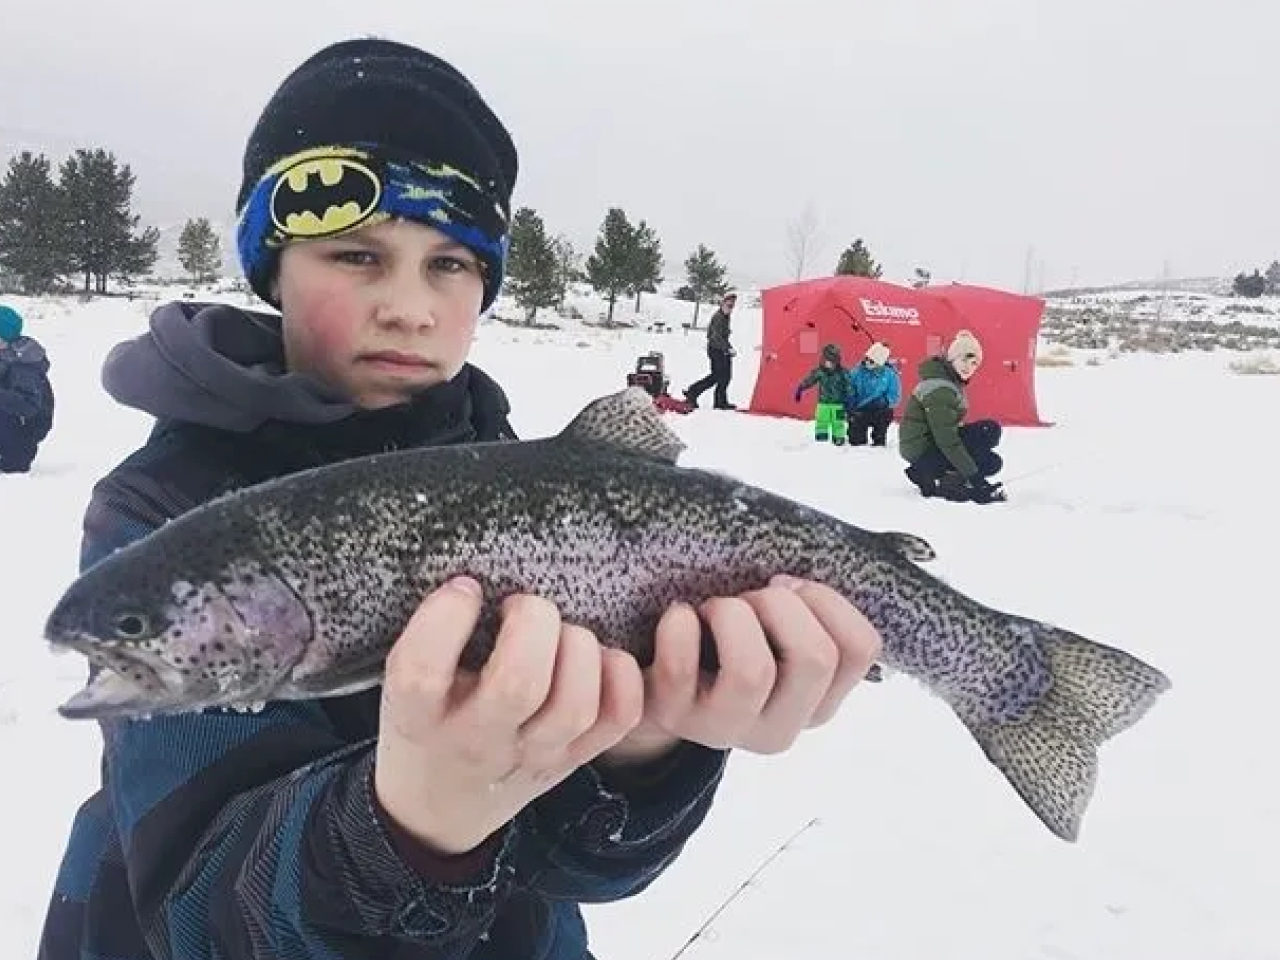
(382, 313)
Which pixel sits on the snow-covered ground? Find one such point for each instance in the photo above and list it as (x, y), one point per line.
(1142, 519)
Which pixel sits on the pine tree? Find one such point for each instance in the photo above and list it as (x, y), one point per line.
(1273, 277)
(1249, 284)
(533, 271)
(200, 250)
(705, 276)
(568, 269)
(856, 262)
(33, 235)
(611, 268)
(646, 262)
(98, 195)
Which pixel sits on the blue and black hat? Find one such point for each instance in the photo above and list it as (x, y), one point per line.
(10, 324)
(367, 130)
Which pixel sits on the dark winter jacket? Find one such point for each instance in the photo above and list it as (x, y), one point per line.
(830, 376)
(832, 383)
(25, 392)
(257, 835)
(718, 332)
(933, 414)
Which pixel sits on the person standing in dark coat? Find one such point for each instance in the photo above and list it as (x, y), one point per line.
(720, 352)
(26, 395)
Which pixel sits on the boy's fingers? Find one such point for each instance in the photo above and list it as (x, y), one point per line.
(855, 637)
(573, 703)
(620, 710)
(424, 659)
(515, 681)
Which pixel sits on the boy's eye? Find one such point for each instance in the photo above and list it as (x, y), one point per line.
(450, 264)
(359, 258)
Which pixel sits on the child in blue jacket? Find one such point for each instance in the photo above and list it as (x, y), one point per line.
(447, 814)
(874, 390)
(26, 395)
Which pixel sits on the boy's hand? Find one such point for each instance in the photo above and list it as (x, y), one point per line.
(460, 754)
(757, 701)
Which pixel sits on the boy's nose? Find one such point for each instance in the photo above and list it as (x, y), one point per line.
(407, 302)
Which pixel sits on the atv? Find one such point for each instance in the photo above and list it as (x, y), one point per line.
(651, 375)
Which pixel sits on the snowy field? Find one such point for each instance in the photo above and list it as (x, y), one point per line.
(1141, 519)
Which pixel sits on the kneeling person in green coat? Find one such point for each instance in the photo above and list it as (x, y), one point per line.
(945, 458)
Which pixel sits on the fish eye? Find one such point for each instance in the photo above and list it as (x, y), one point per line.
(129, 626)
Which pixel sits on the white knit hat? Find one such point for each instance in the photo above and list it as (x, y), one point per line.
(964, 345)
(877, 353)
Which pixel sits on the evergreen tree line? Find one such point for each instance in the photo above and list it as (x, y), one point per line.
(80, 223)
(1257, 283)
(626, 260)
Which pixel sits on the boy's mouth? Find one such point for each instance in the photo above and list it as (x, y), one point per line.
(395, 360)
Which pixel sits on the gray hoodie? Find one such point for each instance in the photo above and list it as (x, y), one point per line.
(218, 366)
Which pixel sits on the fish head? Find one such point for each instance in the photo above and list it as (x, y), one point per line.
(157, 645)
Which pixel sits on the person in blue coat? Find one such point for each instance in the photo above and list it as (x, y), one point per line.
(26, 395)
(874, 390)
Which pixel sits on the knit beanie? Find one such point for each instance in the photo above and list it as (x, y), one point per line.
(965, 344)
(367, 130)
(831, 353)
(877, 353)
(10, 324)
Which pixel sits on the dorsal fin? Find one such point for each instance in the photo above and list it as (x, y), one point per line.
(914, 548)
(627, 419)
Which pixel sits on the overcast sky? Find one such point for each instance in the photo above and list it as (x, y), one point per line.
(1110, 137)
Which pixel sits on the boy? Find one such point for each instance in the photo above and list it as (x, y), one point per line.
(832, 381)
(26, 396)
(944, 458)
(445, 814)
(874, 390)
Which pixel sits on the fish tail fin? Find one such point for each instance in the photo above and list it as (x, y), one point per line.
(1050, 756)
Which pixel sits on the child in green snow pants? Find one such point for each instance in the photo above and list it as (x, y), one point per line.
(832, 381)
(829, 420)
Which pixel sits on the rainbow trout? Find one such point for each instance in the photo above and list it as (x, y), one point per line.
(297, 588)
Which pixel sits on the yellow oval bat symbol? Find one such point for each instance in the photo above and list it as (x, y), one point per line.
(322, 196)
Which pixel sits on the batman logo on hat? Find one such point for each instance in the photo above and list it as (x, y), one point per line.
(323, 196)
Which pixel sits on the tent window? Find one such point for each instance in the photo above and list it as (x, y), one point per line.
(809, 341)
(933, 345)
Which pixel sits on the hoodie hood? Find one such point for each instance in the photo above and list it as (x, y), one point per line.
(217, 366)
(24, 350)
(938, 368)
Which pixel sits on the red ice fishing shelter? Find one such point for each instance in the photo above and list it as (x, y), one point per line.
(915, 323)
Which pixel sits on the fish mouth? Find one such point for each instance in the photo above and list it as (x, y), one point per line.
(124, 680)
